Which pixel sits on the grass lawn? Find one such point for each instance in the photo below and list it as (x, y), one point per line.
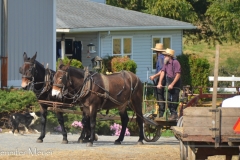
(227, 50)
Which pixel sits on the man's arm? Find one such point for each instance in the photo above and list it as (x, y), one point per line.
(155, 75)
(159, 85)
(177, 77)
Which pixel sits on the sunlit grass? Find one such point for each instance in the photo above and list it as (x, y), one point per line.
(227, 50)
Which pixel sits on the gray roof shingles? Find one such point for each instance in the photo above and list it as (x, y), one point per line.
(74, 14)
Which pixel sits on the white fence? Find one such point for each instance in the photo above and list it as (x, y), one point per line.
(226, 79)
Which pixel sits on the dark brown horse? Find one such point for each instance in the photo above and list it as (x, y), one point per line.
(97, 91)
(38, 79)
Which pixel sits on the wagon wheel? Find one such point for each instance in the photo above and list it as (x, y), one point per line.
(183, 145)
(151, 132)
(179, 124)
(183, 150)
(191, 150)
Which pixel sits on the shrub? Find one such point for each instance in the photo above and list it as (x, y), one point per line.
(123, 63)
(16, 100)
(74, 63)
(195, 71)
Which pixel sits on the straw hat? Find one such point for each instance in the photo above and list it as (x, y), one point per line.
(158, 47)
(169, 52)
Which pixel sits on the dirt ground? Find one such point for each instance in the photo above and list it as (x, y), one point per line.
(127, 151)
(144, 152)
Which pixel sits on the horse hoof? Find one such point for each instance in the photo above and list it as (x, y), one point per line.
(89, 144)
(65, 142)
(39, 141)
(80, 141)
(117, 142)
(140, 143)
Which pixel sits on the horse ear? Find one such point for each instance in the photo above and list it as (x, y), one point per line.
(60, 63)
(34, 57)
(24, 56)
(47, 66)
(69, 63)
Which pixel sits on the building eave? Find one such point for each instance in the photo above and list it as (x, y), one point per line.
(96, 29)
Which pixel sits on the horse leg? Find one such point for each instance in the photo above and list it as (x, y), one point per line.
(140, 126)
(92, 125)
(43, 124)
(61, 122)
(136, 103)
(124, 121)
(85, 130)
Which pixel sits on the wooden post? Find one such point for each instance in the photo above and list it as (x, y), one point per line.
(215, 112)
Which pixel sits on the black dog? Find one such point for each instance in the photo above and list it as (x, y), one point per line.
(26, 119)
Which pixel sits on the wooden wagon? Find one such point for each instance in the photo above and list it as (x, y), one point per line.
(208, 131)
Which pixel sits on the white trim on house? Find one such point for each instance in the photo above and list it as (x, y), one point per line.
(125, 28)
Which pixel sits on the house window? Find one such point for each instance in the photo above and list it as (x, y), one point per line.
(166, 41)
(122, 46)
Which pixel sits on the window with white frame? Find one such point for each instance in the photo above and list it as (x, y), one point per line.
(166, 41)
(122, 46)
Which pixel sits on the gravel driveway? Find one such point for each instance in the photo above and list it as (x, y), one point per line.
(25, 147)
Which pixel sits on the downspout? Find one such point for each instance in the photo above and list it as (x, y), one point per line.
(4, 44)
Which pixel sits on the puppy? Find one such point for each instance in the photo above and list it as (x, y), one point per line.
(26, 119)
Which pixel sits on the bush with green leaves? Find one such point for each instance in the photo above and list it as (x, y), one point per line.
(74, 62)
(16, 100)
(123, 63)
(195, 71)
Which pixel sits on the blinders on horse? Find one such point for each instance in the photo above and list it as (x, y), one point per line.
(64, 78)
(30, 73)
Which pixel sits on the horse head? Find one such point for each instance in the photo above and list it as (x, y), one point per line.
(61, 79)
(28, 70)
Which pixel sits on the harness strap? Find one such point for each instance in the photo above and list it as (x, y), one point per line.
(108, 97)
(106, 86)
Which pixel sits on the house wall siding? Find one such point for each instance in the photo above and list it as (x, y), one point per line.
(142, 44)
(31, 29)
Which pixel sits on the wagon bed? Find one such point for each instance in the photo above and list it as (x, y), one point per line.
(196, 134)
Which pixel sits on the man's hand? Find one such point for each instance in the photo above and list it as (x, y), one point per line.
(170, 86)
(159, 86)
(152, 77)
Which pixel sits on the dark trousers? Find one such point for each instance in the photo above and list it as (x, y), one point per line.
(173, 95)
(160, 96)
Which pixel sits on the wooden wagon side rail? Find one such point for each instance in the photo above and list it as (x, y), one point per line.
(197, 124)
(195, 100)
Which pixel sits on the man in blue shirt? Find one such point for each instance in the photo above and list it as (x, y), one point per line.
(155, 78)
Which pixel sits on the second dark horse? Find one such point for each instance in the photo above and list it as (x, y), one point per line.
(97, 91)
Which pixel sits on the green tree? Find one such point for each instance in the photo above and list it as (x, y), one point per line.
(225, 18)
(175, 9)
(216, 20)
(136, 5)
